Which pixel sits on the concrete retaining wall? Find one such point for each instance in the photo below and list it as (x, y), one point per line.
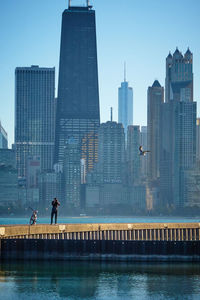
(132, 231)
(42, 249)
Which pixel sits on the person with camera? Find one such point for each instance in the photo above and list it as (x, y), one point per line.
(54, 212)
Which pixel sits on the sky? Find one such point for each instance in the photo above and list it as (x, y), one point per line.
(138, 32)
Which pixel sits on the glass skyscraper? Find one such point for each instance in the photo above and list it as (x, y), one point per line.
(34, 116)
(125, 105)
(78, 95)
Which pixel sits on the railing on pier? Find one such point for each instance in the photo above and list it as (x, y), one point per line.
(115, 232)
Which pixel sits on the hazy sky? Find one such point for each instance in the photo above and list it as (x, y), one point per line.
(139, 32)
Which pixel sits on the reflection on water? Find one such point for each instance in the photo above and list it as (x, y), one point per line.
(99, 281)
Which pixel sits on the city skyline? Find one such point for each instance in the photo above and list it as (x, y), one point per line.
(34, 30)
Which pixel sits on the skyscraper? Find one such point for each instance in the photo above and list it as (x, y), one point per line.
(178, 148)
(78, 96)
(125, 104)
(111, 152)
(133, 157)
(8, 178)
(3, 138)
(143, 142)
(34, 116)
(178, 129)
(179, 77)
(155, 97)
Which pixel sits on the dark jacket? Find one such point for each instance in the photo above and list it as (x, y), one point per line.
(55, 204)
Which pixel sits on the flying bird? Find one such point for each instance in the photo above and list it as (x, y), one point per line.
(143, 152)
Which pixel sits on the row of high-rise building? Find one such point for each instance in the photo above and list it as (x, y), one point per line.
(56, 139)
(61, 149)
(172, 133)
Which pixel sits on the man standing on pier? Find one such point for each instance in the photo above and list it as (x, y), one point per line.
(55, 203)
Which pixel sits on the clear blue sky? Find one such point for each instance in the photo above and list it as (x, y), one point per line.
(139, 32)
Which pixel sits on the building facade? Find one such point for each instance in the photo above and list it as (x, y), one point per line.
(7, 157)
(33, 171)
(78, 95)
(111, 152)
(179, 77)
(3, 138)
(34, 116)
(191, 184)
(178, 149)
(143, 162)
(155, 97)
(125, 105)
(72, 174)
(8, 178)
(49, 188)
(133, 157)
(178, 130)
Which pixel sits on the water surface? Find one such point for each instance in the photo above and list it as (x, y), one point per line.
(106, 219)
(99, 281)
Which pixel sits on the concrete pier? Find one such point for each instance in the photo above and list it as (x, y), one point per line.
(135, 241)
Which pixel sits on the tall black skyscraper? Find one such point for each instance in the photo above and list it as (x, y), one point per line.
(78, 96)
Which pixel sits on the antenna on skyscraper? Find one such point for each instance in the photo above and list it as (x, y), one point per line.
(124, 71)
(111, 114)
(87, 3)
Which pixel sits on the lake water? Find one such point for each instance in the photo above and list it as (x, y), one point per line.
(99, 281)
(96, 280)
(106, 219)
